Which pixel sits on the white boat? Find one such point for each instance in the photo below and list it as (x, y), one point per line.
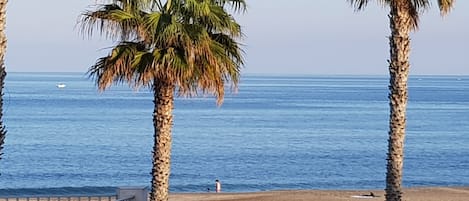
(61, 85)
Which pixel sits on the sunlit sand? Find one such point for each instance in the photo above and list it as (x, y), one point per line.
(412, 194)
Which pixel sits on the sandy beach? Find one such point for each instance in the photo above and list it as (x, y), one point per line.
(410, 194)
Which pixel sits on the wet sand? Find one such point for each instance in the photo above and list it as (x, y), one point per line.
(410, 194)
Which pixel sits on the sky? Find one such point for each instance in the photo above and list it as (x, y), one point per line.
(297, 37)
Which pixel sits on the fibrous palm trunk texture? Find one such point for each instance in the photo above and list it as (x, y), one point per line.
(3, 47)
(162, 121)
(400, 24)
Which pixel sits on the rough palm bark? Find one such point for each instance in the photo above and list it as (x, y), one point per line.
(3, 47)
(401, 25)
(162, 121)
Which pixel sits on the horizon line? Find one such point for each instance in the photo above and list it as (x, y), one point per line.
(266, 74)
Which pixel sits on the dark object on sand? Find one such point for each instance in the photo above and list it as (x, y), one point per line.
(370, 195)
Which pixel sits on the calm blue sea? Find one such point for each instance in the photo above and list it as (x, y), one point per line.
(298, 132)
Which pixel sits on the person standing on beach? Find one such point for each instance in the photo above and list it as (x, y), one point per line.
(217, 186)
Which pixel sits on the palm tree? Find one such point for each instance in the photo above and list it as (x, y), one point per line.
(403, 17)
(183, 46)
(3, 47)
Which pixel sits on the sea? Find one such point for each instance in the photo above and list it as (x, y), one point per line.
(273, 133)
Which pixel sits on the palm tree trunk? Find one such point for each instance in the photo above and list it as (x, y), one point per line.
(163, 122)
(400, 23)
(3, 47)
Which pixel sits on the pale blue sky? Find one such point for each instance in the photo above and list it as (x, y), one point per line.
(282, 37)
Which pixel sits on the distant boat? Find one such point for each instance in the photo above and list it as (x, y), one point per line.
(61, 85)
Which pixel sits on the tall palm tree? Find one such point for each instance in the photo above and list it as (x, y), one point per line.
(3, 47)
(184, 46)
(403, 17)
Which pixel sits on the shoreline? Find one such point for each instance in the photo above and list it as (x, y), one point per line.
(410, 194)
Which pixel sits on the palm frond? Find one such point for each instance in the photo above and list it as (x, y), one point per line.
(118, 66)
(191, 43)
(111, 21)
(420, 5)
(153, 21)
(413, 7)
(237, 5)
(212, 16)
(445, 6)
(359, 4)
